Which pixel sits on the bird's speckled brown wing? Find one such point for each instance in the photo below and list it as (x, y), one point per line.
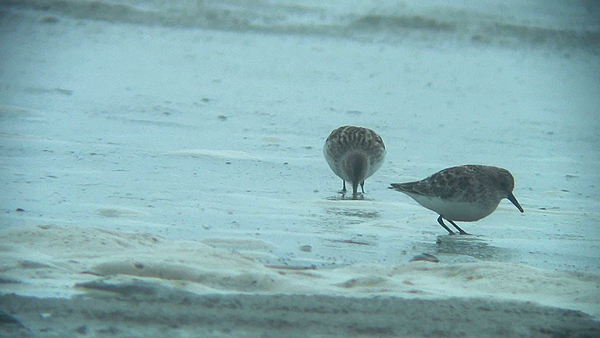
(447, 184)
(350, 137)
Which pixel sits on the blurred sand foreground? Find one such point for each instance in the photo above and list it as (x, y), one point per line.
(60, 281)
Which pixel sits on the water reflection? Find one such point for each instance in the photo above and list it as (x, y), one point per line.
(471, 246)
(344, 197)
(358, 213)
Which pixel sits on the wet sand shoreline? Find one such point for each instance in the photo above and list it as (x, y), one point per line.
(150, 313)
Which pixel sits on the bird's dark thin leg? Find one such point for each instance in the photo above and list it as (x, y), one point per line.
(354, 190)
(362, 186)
(460, 231)
(344, 187)
(441, 221)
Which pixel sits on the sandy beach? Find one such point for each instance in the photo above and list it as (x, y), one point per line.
(140, 285)
(163, 170)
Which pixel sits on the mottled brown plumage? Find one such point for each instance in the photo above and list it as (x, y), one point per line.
(354, 154)
(464, 193)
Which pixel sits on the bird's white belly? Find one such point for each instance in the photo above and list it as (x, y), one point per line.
(340, 168)
(456, 210)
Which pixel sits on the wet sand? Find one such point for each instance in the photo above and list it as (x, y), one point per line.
(167, 180)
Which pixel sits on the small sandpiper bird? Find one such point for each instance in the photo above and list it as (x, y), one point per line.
(354, 154)
(465, 193)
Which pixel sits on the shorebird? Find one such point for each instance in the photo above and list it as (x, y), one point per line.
(354, 154)
(465, 193)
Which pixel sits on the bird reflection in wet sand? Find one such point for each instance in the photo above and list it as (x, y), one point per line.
(465, 193)
(354, 154)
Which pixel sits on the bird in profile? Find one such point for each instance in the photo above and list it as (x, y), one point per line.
(464, 193)
(354, 154)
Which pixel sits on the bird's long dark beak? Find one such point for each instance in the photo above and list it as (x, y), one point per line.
(514, 201)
